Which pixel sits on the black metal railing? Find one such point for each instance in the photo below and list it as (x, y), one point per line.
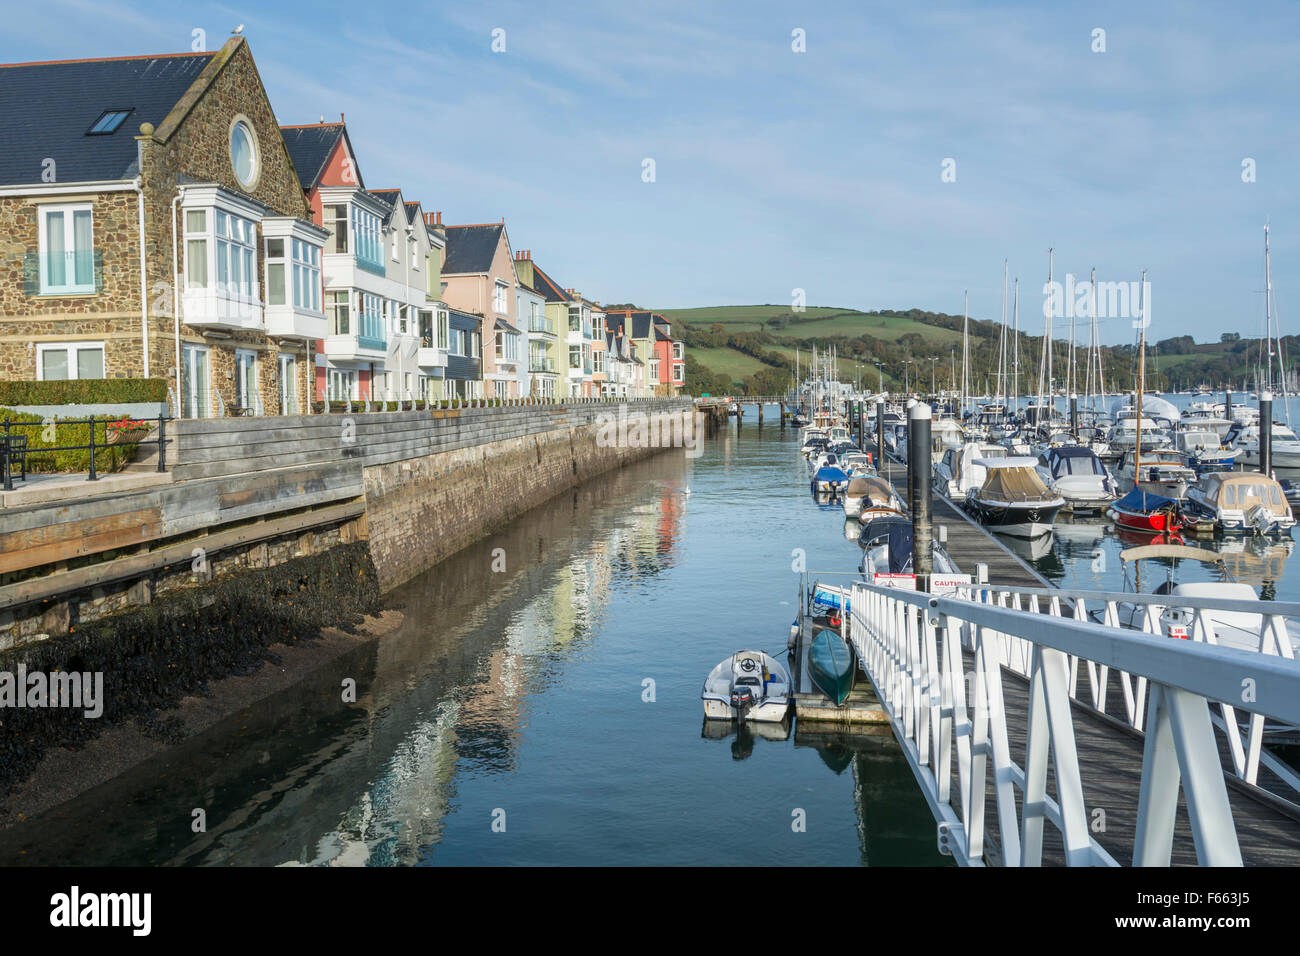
(15, 446)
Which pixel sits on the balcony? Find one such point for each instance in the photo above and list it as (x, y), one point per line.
(63, 273)
(347, 343)
(541, 326)
(541, 365)
(370, 254)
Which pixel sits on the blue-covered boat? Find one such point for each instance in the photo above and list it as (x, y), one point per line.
(829, 479)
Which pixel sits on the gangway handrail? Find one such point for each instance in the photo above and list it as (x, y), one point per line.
(912, 643)
(1257, 606)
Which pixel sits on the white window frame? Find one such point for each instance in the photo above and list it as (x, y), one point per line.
(501, 297)
(444, 329)
(68, 211)
(70, 348)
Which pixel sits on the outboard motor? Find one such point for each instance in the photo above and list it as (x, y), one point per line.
(742, 698)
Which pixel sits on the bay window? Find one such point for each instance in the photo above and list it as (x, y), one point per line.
(236, 276)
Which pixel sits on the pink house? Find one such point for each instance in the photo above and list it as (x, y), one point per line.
(478, 276)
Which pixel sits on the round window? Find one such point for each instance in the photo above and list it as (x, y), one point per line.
(243, 153)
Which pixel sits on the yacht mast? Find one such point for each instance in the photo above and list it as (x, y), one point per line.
(965, 354)
(1002, 341)
(1142, 368)
(1015, 377)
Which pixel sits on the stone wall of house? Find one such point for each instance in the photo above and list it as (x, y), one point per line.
(198, 147)
(111, 315)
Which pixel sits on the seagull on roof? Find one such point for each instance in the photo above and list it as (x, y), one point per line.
(238, 30)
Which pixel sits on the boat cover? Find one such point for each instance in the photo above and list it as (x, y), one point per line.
(1144, 502)
(1017, 483)
(830, 474)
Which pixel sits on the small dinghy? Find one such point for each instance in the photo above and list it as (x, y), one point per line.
(748, 685)
(830, 665)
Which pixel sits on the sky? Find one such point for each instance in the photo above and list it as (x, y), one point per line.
(895, 161)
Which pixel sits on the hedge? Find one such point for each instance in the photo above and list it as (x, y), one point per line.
(84, 391)
(107, 458)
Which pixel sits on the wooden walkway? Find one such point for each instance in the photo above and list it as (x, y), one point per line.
(1110, 753)
(968, 544)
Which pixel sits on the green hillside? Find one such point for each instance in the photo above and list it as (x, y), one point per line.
(753, 348)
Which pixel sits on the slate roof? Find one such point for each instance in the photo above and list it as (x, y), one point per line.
(638, 322)
(506, 326)
(547, 287)
(310, 148)
(471, 249)
(412, 210)
(48, 107)
(388, 197)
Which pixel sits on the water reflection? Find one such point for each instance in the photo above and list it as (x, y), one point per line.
(562, 689)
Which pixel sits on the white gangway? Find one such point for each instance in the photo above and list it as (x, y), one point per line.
(915, 647)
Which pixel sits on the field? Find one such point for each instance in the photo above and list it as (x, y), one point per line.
(819, 322)
(737, 366)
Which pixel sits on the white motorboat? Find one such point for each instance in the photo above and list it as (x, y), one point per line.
(1077, 475)
(1285, 451)
(748, 685)
(1013, 499)
(957, 472)
(869, 491)
(1161, 472)
(1242, 501)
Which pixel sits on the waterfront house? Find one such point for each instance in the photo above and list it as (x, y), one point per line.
(543, 374)
(671, 358)
(564, 315)
(412, 369)
(152, 224)
(464, 375)
(478, 277)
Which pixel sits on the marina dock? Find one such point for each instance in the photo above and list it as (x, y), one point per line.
(1108, 750)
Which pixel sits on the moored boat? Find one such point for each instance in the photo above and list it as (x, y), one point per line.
(830, 665)
(1242, 501)
(1076, 474)
(1013, 499)
(869, 491)
(829, 479)
(1147, 512)
(748, 685)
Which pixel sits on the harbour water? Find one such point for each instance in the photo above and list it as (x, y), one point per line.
(540, 705)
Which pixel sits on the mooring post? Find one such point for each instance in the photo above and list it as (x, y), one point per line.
(1074, 414)
(880, 438)
(1227, 404)
(1266, 433)
(918, 485)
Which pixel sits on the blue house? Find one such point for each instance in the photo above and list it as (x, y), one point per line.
(464, 378)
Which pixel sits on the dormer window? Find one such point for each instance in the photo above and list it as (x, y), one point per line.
(108, 122)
